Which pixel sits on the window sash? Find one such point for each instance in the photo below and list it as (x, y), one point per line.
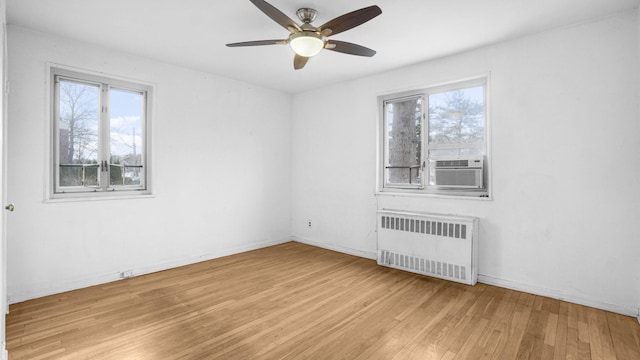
(58, 79)
(104, 173)
(143, 141)
(411, 168)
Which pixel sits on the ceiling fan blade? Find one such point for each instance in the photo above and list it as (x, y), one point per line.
(299, 62)
(350, 20)
(349, 48)
(258, 43)
(276, 15)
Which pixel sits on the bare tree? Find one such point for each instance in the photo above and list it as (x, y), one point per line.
(404, 141)
(78, 142)
(79, 116)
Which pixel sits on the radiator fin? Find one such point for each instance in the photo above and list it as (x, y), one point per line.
(458, 231)
(423, 266)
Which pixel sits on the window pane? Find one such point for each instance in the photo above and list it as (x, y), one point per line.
(78, 119)
(126, 110)
(404, 126)
(78, 175)
(457, 117)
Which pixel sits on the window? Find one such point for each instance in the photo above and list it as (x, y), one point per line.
(100, 134)
(434, 139)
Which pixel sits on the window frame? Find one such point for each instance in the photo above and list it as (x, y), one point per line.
(384, 187)
(104, 83)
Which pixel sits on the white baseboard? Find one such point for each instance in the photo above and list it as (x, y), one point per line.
(560, 295)
(64, 286)
(490, 280)
(338, 248)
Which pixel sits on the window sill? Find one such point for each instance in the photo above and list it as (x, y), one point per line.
(93, 197)
(410, 193)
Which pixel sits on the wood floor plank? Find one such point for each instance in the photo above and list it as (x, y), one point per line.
(622, 337)
(531, 346)
(497, 340)
(585, 347)
(492, 298)
(516, 326)
(560, 343)
(295, 301)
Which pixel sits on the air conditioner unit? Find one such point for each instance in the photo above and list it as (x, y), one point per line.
(462, 173)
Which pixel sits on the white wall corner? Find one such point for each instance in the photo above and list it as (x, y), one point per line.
(5, 353)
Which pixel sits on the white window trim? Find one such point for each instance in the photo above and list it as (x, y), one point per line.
(427, 191)
(53, 69)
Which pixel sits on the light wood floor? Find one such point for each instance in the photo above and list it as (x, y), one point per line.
(295, 301)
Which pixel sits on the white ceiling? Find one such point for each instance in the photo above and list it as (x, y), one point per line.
(193, 33)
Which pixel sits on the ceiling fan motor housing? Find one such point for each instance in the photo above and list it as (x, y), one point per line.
(307, 15)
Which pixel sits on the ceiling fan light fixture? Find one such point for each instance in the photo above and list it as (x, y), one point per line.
(306, 43)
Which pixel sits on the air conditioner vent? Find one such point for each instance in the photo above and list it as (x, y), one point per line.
(452, 163)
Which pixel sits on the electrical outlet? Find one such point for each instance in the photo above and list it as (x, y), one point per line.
(308, 224)
(126, 274)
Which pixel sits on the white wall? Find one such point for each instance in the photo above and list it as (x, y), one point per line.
(221, 174)
(565, 160)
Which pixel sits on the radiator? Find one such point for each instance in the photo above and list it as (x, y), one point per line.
(442, 246)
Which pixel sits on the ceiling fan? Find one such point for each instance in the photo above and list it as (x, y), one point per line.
(307, 40)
